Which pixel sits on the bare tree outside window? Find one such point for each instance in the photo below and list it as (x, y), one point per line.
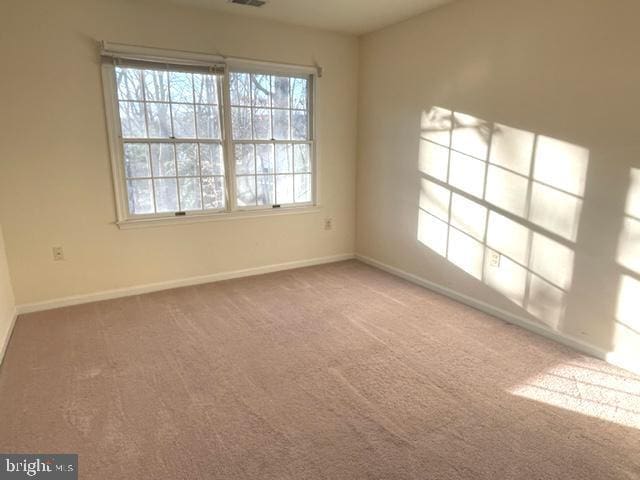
(176, 126)
(172, 141)
(272, 145)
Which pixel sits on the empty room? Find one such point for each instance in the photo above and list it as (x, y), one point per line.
(320, 239)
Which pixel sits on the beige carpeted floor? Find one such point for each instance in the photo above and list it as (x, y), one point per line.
(332, 372)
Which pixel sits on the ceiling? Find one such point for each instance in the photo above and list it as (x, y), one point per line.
(348, 16)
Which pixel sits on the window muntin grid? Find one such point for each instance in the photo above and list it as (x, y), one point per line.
(272, 147)
(177, 155)
(171, 140)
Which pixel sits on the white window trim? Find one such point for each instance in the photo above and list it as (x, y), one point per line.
(232, 211)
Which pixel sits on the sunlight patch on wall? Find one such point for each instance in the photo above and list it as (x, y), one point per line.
(626, 335)
(436, 126)
(545, 301)
(468, 216)
(507, 190)
(466, 252)
(508, 237)
(555, 211)
(466, 173)
(552, 260)
(502, 204)
(432, 232)
(511, 148)
(561, 165)
(628, 311)
(470, 136)
(629, 243)
(510, 280)
(601, 392)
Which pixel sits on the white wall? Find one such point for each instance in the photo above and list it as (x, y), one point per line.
(7, 305)
(55, 181)
(566, 74)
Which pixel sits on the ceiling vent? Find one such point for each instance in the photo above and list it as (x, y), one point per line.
(249, 3)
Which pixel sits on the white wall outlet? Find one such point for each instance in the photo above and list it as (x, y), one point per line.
(494, 259)
(58, 254)
(328, 223)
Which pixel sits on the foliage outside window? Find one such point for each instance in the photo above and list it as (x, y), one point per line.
(197, 142)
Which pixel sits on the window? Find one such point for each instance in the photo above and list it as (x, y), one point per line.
(208, 139)
(271, 142)
(171, 140)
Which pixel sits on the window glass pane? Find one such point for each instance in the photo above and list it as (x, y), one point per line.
(206, 89)
(262, 123)
(265, 190)
(241, 123)
(281, 92)
(136, 160)
(213, 192)
(187, 159)
(181, 87)
(184, 125)
(264, 158)
(245, 163)
(302, 188)
(140, 196)
(283, 158)
(166, 195)
(132, 120)
(190, 198)
(284, 188)
(156, 85)
(208, 122)
(265, 109)
(240, 86)
(211, 159)
(299, 93)
(301, 158)
(246, 190)
(281, 124)
(159, 120)
(299, 122)
(162, 160)
(261, 90)
(129, 81)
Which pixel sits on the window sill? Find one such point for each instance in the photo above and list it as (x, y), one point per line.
(215, 217)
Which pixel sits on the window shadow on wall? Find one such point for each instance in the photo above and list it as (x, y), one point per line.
(502, 204)
(626, 331)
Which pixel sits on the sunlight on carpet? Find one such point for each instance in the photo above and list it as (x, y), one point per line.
(594, 391)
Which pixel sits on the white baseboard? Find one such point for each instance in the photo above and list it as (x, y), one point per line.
(185, 282)
(523, 322)
(568, 340)
(7, 335)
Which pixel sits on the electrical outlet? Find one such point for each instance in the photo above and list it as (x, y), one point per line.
(494, 259)
(328, 223)
(58, 254)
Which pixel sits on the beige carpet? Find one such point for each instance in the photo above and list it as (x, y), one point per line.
(332, 372)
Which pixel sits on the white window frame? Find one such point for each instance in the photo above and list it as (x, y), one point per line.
(111, 52)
